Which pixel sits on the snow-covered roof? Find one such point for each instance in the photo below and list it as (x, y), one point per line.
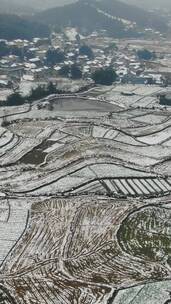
(36, 59)
(57, 68)
(28, 77)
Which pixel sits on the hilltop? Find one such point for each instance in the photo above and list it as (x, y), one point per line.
(117, 18)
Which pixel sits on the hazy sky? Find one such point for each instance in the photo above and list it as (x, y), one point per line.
(39, 4)
(150, 3)
(146, 3)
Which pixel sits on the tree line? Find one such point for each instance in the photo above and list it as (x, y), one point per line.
(42, 91)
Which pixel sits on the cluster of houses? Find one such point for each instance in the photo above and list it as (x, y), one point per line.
(28, 67)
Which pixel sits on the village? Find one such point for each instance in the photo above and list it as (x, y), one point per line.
(69, 60)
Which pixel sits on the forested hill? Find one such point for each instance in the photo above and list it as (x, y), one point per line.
(15, 27)
(84, 17)
(110, 15)
(132, 13)
(117, 18)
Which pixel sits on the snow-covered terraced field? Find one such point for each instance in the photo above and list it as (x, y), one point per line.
(151, 118)
(126, 187)
(129, 95)
(150, 294)
(157, 138)
(13, 219)
(85, 200)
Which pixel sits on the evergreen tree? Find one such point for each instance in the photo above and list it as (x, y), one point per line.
(54, 56)
(75, 72)
(51, 88)
(86, 50)
(146, 55)
(104, 76)
(15, 99)
(65, 70)
(4, 49)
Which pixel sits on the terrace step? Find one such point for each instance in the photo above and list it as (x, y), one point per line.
(132, 187)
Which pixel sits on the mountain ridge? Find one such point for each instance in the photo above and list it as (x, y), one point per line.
(107, 15)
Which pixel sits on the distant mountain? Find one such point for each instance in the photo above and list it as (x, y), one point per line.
(15, 27)
(27, 7)
(152, 4)
(15, 7)
(132, 13)
(117, 18)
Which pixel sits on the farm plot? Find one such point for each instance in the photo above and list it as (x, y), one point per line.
(164, 167)
(133, 95)
(157, 137)
(125, 187)
(5, 137)
(56, 162)
(85, 202)
(25, 138)
(150, 294)
(147, 90)
(149, 129)
(121, 100)
(86, 177)
(146, 102)
(152, 228)
(13, 218)
(153, 152)
(10, 144)
(127, 139)
(151, 118)
(12, 111)
(102, 132)
(138, 89)
(87, 245)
